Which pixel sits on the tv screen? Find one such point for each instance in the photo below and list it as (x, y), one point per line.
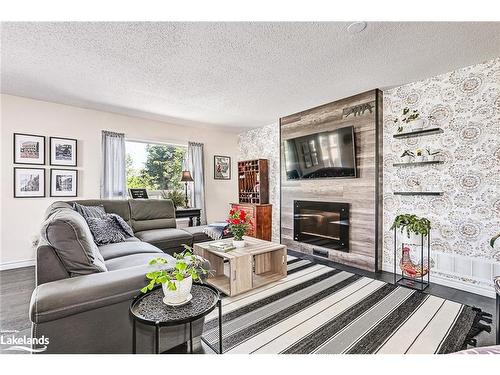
(321, 155)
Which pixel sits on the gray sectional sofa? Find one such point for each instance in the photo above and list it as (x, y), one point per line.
(83, 291)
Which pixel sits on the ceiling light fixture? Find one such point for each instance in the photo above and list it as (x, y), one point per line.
(356, 27)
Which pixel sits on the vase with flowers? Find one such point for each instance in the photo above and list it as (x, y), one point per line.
(239, 222)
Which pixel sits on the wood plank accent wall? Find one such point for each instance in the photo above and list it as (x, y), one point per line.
(364, 193)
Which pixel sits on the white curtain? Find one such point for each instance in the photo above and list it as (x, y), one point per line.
(113, 179)
(195, 165)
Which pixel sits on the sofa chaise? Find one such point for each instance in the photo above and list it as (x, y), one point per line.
(81, 301)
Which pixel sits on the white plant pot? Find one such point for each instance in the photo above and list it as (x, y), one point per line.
(417, 125)
(406, 159)
(239, 244)
(181, 294)
(412, 239)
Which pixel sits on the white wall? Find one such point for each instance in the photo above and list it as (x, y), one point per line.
(21, 217)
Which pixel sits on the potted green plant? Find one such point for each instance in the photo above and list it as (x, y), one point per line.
(413, 228)
(407, 156)
(239, 223)
(176, 278)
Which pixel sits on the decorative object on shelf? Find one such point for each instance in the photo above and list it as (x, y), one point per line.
(29, 182)
(239, 222)
(409, 117)
(137, 193)
(222, 167)
(253, 182)
(29, 149)
(63, 182)
(407, 156)
(63, 151)
(186, 177)
(419, 133)
(414, 232)
(419, 155)
(433, 155)
(176, 279)
(493, 240)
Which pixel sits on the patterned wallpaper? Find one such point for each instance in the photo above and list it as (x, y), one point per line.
(263, 143)
(466, 104)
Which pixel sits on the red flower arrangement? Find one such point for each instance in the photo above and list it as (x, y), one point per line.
(239, 222)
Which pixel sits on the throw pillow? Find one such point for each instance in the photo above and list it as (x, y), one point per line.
(105, 230)
(89, 211)
(123, 225)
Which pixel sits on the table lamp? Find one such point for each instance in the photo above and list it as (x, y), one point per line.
(186, 177)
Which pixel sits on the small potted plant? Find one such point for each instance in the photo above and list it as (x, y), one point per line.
(407, 156)
(239, 222)
(433, 155)
(419, 155)
(176, 278)
(413, 228)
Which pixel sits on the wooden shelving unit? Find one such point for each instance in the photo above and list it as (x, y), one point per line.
(419, 133)
(415, 163)
(253, 182)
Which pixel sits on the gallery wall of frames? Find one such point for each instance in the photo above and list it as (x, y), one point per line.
(32, 178)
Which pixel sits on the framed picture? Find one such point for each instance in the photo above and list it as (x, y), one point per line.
(63, 182)
(63, 151)
(29, 149)
(222, 167)
(29, 182)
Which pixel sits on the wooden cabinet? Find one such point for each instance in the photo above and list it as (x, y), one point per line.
(253, 183)
(261, 215)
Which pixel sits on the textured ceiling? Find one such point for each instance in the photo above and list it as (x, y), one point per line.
(237, 75)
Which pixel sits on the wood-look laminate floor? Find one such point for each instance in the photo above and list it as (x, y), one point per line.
(17, 285)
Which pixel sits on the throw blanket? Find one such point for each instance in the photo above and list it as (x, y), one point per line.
(216, 230)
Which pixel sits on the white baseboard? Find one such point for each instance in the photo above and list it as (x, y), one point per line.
(466, 287)
(17, 264)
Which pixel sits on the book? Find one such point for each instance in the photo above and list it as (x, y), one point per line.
(222, 246)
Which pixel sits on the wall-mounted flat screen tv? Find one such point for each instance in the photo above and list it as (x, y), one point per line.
(329, 154)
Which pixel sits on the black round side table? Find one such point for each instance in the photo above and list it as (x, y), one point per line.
(149, 309)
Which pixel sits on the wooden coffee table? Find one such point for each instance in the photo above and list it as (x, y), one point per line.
(236, 271)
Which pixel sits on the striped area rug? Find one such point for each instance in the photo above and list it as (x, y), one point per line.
(318, 309)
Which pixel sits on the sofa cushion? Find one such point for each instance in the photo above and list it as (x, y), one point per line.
(165, 239)
(147, 214)
(115, 250)
(111, 206)
(68, 233)
(134, 260)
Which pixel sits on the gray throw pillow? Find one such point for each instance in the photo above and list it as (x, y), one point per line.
(90, 211)
(68, 233)
(109, 229)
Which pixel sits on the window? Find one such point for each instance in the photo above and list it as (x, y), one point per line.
(156, 167)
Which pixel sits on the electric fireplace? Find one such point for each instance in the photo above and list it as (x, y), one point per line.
(323, 224)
